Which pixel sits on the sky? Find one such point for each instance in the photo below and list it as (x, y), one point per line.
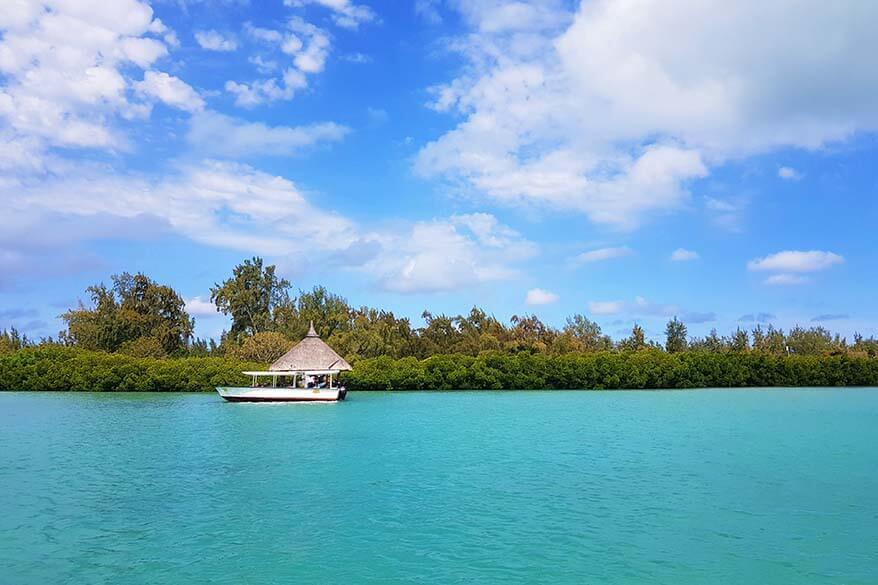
(630, 161)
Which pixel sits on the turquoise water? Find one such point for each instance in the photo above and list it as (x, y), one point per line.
(714, 487)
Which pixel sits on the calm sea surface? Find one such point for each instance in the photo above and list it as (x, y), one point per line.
(713, 487)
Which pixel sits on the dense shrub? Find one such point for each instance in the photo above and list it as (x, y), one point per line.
(64, 368)
(70, 369)
(641, 369)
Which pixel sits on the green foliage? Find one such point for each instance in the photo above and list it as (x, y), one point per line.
(147, 326)
(675, 336)
(264, 347)
(255, 297)
(71, 369)
(646, 369)
(135, 307)
(143, 347)
(12, 340)
(329, 312)
(637, 340)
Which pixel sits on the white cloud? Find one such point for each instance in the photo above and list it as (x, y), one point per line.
(211, 40)
(538, 296)
(602, 254)
(345, 13)
(302, 43)
(795, 261)
(788, 174)
(170, 90)
(448, 254)
(785, 279)
(199, 307)
(214, 134)
(642, 307)
(683, 255)
(69, 71)
(62, 70)
(265, 35)
(606, 307)
(552, 108)
(235, 206)
(212, 202)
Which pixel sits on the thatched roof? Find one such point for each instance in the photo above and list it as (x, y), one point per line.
(310, 354)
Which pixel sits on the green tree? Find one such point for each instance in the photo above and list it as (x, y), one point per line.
(135, 307)
(711, 343)
(587, 333)
(12, 340)
(253, 297)
(149, 309)
(740, 341)
(530, 334)
(813, 341)
(636, 341)
(263, 347)
(675, 336)
(329, 312)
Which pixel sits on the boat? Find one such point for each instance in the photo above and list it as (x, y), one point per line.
(304, 374)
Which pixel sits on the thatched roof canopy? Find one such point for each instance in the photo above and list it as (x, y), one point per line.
(309, 355)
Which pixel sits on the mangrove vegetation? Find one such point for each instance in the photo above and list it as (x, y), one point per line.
(136, 335)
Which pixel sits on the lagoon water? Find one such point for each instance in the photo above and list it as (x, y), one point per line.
(677, 487)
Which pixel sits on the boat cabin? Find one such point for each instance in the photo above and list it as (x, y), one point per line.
(305, 373)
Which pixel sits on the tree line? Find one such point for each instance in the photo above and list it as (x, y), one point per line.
(139, 317)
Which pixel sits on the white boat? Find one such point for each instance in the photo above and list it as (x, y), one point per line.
(282, 394)
(311, 363)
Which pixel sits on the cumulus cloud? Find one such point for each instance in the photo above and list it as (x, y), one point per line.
(538, 296)
(345, 13)
(796, 261)
(551, 103)
(447, 254)
(683, 255)
(170, 90)
(602, 254)
(71, 71)
(215, 134)
(301, 45)
(211, 40)
(235, 206)
(65, 72)
(198, 307)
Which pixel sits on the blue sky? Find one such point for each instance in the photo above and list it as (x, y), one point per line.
(710, 160)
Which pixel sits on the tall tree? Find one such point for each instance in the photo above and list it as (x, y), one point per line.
(587, 333)
(136, 307)
(252, 297)
(636, 341)
(675, 336)
(329, 312)
(740, 341)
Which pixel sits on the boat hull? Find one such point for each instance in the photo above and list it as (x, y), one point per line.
(281, 394)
